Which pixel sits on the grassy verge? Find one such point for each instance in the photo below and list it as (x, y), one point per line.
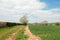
(21, 36)
(49, 32)
(5, 32)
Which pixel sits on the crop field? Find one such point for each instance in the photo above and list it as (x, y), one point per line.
(46, 32)
(7, 31)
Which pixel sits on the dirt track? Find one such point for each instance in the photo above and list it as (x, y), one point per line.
(26, 32)
(30, 35)
(11, 36)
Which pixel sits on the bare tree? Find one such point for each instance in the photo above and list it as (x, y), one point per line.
(24, 20)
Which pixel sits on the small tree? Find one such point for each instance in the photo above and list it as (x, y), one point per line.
(24, 20)
(57, 23)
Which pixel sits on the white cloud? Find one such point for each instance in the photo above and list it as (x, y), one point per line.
(52, 15)
(22, 4)
(12, 10)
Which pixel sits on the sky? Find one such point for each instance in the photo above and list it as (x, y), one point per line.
(35, 10)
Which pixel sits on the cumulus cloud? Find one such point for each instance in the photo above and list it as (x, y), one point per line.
(12, 10)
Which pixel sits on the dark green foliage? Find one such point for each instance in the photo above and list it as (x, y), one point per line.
(11, 24)
(57, 24)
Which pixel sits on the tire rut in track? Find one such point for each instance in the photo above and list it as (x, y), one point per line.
(30, 35)
(11, 36)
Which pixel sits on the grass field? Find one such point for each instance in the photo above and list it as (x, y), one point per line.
(46, 32)
(6, 31)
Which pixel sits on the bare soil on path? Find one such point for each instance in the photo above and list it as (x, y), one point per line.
(30, 35)
(26, 32)
(11, 36)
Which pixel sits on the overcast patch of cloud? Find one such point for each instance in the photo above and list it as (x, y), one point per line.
(12, 10)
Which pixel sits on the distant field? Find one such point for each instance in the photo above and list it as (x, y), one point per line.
(46, 32)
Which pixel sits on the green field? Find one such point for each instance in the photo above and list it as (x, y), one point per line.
(6, 31)
(46, 32)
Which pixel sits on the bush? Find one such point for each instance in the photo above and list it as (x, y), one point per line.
(57, 24)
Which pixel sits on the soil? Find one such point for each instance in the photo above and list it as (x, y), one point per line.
(30, 35)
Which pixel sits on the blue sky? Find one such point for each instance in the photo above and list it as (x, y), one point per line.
(36, 10)
(52, 4)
